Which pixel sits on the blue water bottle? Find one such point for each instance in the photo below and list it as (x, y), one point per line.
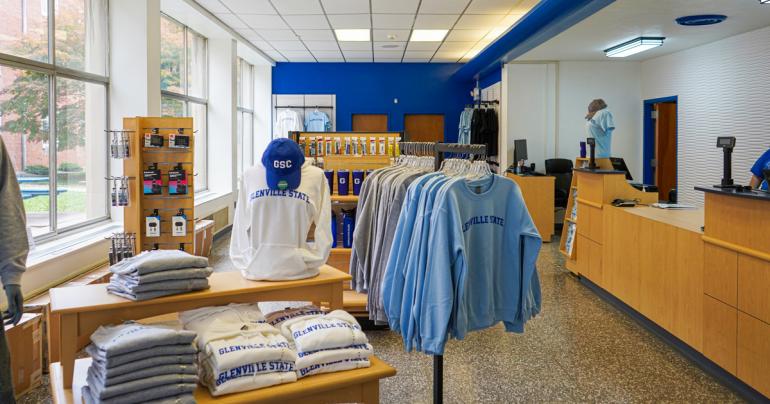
(358, 179)
(330, 177)
(582, 150)
(343, 179)
(334, 230)
(348, 226)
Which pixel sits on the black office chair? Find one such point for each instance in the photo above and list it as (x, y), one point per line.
(562, 170)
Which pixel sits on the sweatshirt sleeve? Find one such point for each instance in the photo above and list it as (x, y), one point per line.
(317, 254)
(240, 243)
(14, 245)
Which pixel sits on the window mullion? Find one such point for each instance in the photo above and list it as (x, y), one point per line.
(52, 180)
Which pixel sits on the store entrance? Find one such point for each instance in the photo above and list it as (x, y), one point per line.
(660, 151)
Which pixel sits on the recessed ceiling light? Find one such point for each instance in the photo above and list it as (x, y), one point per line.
(357, 35)
(428, 35)
(703, 19)
(389, 46)
(634, 46)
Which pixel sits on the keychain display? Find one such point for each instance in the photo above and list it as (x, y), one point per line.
(153, 183)
(152, 224)
(121, 247)
(119, 144)
(119, 193)
(179, 224)
(177, 181)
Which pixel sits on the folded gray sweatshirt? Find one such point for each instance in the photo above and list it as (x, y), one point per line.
(135, 386)
(112, 361)
(149, 295)
(132, 337)
(181, 369)
(179, 284)
(167, 394)
(167, 275)
(149, 262)
(146, 363)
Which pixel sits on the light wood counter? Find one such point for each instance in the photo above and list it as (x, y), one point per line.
(538, 193)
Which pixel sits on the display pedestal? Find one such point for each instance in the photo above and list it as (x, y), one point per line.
(350, 386)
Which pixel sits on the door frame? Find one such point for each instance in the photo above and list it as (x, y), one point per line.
(648, 142)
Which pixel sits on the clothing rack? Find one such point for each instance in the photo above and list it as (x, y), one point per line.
(440, 149)
(417, 148)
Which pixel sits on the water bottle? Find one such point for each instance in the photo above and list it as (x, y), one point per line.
(348, 226)
(358, 179)
(343, 177)
(334, 230)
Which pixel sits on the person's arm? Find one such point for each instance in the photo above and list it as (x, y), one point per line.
(755, 182)
(13, 248)
(758, 168)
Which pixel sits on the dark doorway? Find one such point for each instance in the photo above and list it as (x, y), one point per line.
(660, 148)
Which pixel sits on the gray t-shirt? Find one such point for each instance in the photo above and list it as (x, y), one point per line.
(14, 245)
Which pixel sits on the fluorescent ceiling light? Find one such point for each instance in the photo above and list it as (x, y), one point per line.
(634, 46)
(494, 33)
(764, 1)
(472, 53)
(357, 35)
(428, 35)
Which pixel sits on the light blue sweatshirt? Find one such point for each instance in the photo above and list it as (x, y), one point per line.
(317, 121)
(480, 270)
(600, 127)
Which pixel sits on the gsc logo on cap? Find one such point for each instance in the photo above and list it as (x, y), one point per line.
(282, 164)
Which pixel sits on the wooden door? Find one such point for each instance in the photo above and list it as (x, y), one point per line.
(424, 127)
(370, 122)
(665, 148)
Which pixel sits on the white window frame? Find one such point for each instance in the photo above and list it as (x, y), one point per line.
(244, 111)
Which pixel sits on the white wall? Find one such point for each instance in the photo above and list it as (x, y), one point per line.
(619, 84)
(724, 90)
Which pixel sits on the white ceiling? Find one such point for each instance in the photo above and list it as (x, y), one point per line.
(628, 19)
(302, 30)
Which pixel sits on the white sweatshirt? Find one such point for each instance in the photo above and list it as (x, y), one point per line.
(337, 329)
(270, 230)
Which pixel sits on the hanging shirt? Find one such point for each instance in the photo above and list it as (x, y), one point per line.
(481, 266)
(464, 130)
(763, 163)
(317, 121)
(600, 127)
(270, 229)
(286, 121)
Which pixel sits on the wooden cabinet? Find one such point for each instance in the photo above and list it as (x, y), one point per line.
(754, 352)
(590, 262)
(720, 328)
(720, 273)
(754, 287)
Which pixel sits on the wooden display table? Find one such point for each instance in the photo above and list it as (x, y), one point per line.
(350, 386)
(76, 312)
(538, 192)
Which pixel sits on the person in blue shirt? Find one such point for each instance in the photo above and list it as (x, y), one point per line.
(757, 176)
(600, 124)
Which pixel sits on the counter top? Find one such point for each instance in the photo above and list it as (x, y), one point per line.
(599, 171)
(687, 219)
(759, 195)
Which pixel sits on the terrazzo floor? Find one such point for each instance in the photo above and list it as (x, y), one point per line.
(579, 349)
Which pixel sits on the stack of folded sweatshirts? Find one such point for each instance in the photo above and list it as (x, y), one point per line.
(135, 363)
(239, 351)
(159, 273)
(324, 342)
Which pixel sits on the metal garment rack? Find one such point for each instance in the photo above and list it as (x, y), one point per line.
(440, 149)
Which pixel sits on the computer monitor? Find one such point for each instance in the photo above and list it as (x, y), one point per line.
(619, 164)
(519, 150)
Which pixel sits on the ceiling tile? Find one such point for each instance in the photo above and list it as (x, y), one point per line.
(275, 54)
(307, 21)
(316, 34)
(461, 35)
(395, 6)
(443, 60)
(389, 54)
(423, 46)
(288, 45)
(277, 34)
(357, 54)
(327, 54)
(489, 7)
(302, 60)
(322, 45)
(259, 21)
(262, 45)
(215, 6)
(232, 21)
(358, 60)
(468, 21)
(345, 6)
(418, 54)
(350, 21)
(456, 46)
(443, 6)
(416, 60)
(435, 21)
(401, 35)
(297, 54)
(246, 32)
(291, 7)
(331, 60)
(524, 6)
(389, 46)
(456, 55)
(250, 6)
(356, 46)
(393, 21)
(510, 19)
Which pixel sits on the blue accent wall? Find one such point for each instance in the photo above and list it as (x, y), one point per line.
(369, 88)
(494, 76)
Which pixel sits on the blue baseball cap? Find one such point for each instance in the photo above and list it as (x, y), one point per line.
(283, 160)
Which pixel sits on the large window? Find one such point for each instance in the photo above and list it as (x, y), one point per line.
(183, 85)
(53, 109)
(245, 73)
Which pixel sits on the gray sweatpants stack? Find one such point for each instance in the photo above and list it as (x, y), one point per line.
(135, 363)
(153, 274)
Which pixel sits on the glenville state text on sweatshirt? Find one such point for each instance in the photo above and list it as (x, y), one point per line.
(270, 231)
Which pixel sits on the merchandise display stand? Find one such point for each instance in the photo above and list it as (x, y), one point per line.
(354, 302)
(80, 310)
(569, 219)
(165, 158)
(441, 149)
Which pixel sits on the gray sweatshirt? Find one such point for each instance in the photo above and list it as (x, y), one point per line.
(14, 245)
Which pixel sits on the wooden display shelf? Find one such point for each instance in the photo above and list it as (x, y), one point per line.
(350, 386)
(354, 302)
(345, 198)
(76, 312)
